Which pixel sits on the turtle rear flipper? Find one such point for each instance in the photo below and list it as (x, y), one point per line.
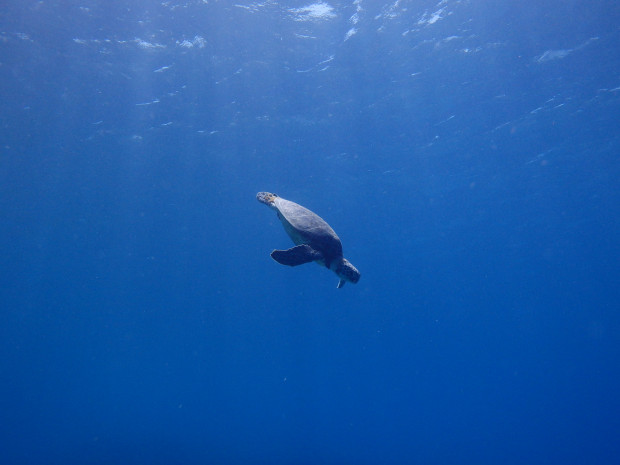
(297, 255)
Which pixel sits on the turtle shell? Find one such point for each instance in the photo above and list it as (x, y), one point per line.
(306, 227)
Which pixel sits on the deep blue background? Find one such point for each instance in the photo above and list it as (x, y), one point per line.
(466, 153)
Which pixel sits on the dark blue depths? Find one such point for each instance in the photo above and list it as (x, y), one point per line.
(466, 154)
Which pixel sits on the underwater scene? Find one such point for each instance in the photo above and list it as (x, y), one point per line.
(310, 232)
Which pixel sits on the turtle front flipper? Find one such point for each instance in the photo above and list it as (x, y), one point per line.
(297, 255)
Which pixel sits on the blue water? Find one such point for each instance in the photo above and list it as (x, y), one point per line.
(465, 151)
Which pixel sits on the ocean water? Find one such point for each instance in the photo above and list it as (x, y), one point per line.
(465, 151)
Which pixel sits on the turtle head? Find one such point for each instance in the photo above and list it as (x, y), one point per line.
(345, 271)
(267, 198)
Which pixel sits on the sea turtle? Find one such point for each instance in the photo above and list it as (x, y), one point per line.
(315, 240)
